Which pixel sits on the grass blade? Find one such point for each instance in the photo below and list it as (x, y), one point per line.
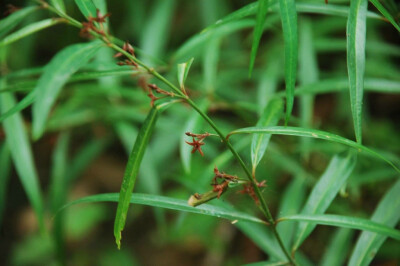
(25, 102)
(131, 172)
(385, 13)
(28, 30)
(5, 166)
(289, 27)
(21, 154)
(312, 133)
(325, 191)
(262, 10)
(356, 35)
(338, 248)
(172, 204)
(86, 7)
(55, 75)
(259, 143)
(368, 243)
(346, 222)
(9, 23)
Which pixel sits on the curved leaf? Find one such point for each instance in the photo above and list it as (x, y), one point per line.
(21, 154)
(59, 5)
(356, 35)
(325, 191)
(289, 27)
(312, 133)
(262, 10)
(9, 23)
(172, 204)
(28, 30)
(386, 213)
(347, 222)
(269, 117)
(56, 74)
(385, 13)
(131, 171)
(86, 7)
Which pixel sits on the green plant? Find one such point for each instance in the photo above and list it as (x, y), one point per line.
(100, 95)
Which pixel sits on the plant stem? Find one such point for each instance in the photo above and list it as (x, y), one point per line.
(264, 207)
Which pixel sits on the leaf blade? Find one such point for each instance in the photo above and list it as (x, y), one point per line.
(55, 75)
(87, 8)
(356, 37)
(312, 133)
(325, 191)
(346, 222)
(9, 23)
(289, 27)
(131, 172)
(369, 243)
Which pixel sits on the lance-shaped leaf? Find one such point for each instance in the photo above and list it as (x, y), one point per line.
(56, 74)
(263, 6)
(183, 70)
(325, 191)
(385, 13)
(86, 7)
(28, 30)
(58, 4)
(289, 27)
(270, 117)
(5, 166)
(312, 133)
(21, 154)
(338, 248)
(386, 213)
(172, 204)
(356, 35)
(9, 23)
(346, 222)
(131, 171)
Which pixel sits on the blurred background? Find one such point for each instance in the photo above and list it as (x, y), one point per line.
(97, 120)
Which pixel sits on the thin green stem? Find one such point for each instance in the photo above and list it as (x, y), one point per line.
(264, 207)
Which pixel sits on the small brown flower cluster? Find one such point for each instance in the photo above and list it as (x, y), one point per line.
(221, 187)
(249, 189)
(127, 62)
(89, 26)
(154, 87)
(197, 143)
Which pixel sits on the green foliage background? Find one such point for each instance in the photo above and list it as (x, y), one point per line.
(315, 84)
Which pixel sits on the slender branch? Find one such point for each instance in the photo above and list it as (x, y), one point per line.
(264, 207)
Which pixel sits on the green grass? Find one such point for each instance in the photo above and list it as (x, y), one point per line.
(86, 95)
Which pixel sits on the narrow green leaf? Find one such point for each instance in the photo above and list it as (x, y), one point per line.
(9, 23)
(25, 102)
(346, 222)
(21, 153)
(356, 36)
(5, 166)
(262, 10)
(55, 75)
(312, 133)
(59, 190)
(325, 191)
(259, 143)
(183, 70)
(58, 4)
(338, 248)
(386, 213)
(289, 27)
(172, 204)
(131, 172)
(86, 7)
(385, 13)
(267, 263)
(28, 30)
